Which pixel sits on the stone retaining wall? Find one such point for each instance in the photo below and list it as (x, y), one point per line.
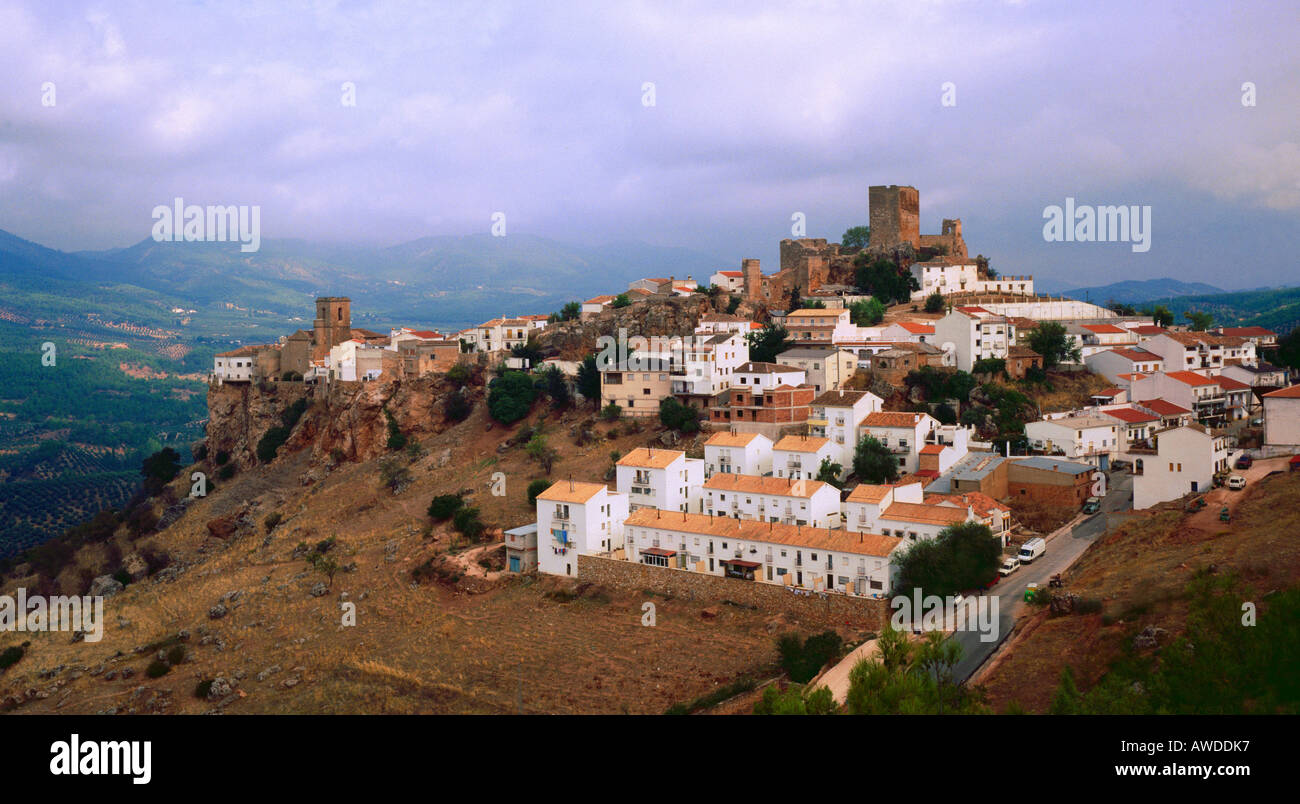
(828, 610)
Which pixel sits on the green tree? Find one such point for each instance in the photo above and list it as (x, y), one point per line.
(510, 396)
(1161, 315)
(444, 506)
(589, 380)
(1199, 321)
(556, 385)
(541, 451)
(620, 301)
(867, 313)
(676, 416)
(765, 344)
(570, 311)
(1050, 340)
(873, 462)
(883, 279)
(962, 557)
(829, 472)
(535, 488)
(856, 237)
(934, 303)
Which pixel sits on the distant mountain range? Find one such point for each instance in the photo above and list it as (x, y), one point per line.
(446, 281)
(1132, 291)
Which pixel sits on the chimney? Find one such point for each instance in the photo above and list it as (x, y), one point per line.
(570, 482)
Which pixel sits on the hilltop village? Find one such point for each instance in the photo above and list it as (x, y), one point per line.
(866, 396)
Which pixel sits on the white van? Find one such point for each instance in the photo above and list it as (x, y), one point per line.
(1236, 482)
(1009, 565)
(1031, 549)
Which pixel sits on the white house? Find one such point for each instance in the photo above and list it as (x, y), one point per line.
(773, 499)
(866, 502)
(1201, 394)
(1282, 416)
(1111, 363)
(986, 510)
(798, 557)
(903, 433)
(908, 332)
(1185, 461)
(707, 362)
(970, 334)
(660, 478)
(596, 304)
(236, 365)
(756, 376)
(738, 454)
(1089, 436)
(1187, 351)
(723, 322)
(819, 326)
(836, 415)
(800, 456)
(827, 367)
(730, 281)
(577, 518)
(354, 360)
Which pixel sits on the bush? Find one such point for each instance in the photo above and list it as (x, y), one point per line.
(176, 655)
(611, 412)
(157, 669)
(457, 406)
(445, 506)
(226, 472)
(676, 416)
(467, 523)
(271, 442)
(460, 374)
(272, 519)
(537, 487)
(511, 396)
(934, 303)
(804, 660)
(123, 577)
(10, 656)
(202, 688)
(222, 457)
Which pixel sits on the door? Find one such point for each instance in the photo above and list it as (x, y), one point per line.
(514, 563)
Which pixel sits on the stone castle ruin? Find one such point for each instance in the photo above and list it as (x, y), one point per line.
(809, 263)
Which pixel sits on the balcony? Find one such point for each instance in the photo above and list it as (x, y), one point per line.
(819, 422)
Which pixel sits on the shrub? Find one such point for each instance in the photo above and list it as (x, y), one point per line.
(10, 656)
(396, 439)
(511, 396)
(934, 303)
(460, 374)
(157, 669)
(271, 442)
(226, 472)
(176, 655)
(445, 506)
(272, 519)
(536, 487)
(803, 660)
(457, 406)
(202, 688)
(467, 523)
(611, 412)
(122, 576)
(222, 457)
(676, 416)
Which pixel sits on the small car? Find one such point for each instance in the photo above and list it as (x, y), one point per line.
(1009, 565)
(1092, 506)
(1236, 482)
(1244, 462)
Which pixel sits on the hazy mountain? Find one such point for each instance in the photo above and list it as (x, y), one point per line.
(1132, 291)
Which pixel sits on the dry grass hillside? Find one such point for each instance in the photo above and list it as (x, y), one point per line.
(492, 643)
(1139, 575)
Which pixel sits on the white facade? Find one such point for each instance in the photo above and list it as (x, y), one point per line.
(865, 504)
(707, 363)
(661, 478)
(799, 558)
(903, 433)
(730, 281)
(738, 453)
(766, 376)
(574, 518)
(801, 456)
(836, 415)
(1185, 462)
(1091, 437)
(1111, 363)
(1282, 416)
(771, 499)
(970, 334)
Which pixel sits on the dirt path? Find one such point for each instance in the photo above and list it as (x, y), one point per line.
(1207, 519)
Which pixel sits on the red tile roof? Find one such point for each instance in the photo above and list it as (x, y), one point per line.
(1164, 408)
(1285, 393)
(1190, 378)
(1130, 415)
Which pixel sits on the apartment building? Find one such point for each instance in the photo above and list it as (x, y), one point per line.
(799, 557)
(1199, 393)
(773, 499)
(1137, 424)
(1087, 436)
(1187, 351)
(836, 415)
(737, 454)
(763, 398)
(1184, 461)
(823, 327)
(903, 433)
(706, 366)
(801, 456)
(637, 385)
(1282, 416)
(826, 368)
(577, 518)
(1111, 363)
(660, 478)
(867, 502)
(970, 334)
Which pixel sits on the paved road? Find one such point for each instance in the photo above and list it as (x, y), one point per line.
(1063, 547)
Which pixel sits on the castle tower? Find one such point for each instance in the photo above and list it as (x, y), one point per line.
(333, 324)
(894, 215)
(753, 276)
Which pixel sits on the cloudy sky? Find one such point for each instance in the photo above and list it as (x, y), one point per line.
(760, 111)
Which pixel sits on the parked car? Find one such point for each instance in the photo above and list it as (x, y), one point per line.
(1092, 506)
(1244, 462)
(1009, 565)
(1236, 482)
(1257, 422)
(1119, 465)
(1031, 549)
